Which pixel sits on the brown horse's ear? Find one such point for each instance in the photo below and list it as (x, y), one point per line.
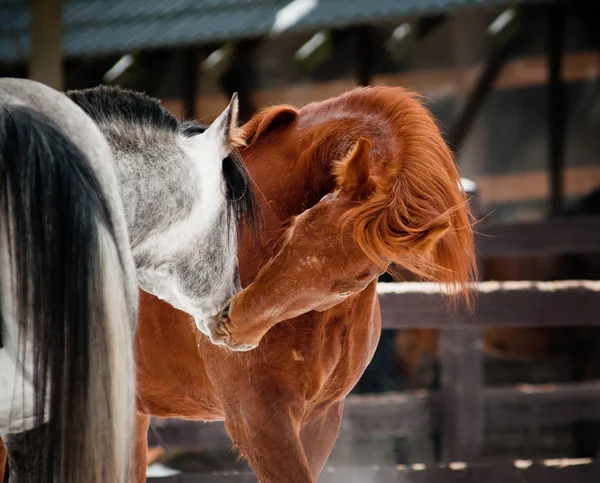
(431, 237)
(353, 173)
(267, 120)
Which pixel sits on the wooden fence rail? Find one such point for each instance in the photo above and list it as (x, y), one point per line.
(384, 416)
(521, 471)
(548, 237)
(521, 304)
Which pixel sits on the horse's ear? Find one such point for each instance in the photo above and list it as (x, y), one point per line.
(431, 237)
(225, 126)
(353, 173)
(268, 120)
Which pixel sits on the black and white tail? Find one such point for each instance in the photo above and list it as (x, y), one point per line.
(67, 295)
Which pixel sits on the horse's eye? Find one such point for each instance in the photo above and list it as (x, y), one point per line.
(346, 294)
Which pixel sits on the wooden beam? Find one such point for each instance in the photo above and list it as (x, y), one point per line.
(541, 405)
(384, 416)
(477, 97)
(505, 407)
(364, 55)
(557, 104)
(507, 304)
(365, 417)
(190, 81)
(45, 62)
(428, 24)
(550, 237)
(547, 471)
(461, 382)
(461, 373)
(174, 433)
(240, 76)
(588, 11)
(407, 414)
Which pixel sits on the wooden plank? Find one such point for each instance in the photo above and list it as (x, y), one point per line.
(478, 96)
(364, 54)
(461, 384)
(378, 416)
(461, 370)
(541, 405)
(45, 62)
(557, 104)
(190, 81)
(547, 471)
(369, 417)
(173, 433)
(525, 304)
(551, 237)
(240, 77)
(517, 407)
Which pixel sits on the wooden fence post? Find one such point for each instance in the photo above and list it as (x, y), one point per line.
(461, 388)
(557, 105)
(461, 384)
(45, 62)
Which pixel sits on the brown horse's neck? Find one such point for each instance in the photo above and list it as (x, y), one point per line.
(292, 172)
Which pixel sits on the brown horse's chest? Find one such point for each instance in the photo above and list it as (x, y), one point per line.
(175, 393)
(349, 341)
(171, 377)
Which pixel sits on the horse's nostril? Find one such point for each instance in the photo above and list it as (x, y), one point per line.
(224, 314)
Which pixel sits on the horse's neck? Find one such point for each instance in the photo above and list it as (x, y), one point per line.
(294, 180)
(322, 139)
(155, 180)
(286, 187)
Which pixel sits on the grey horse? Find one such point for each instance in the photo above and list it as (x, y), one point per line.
(101, 190)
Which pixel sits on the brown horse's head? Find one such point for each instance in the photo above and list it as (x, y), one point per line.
(408, 211)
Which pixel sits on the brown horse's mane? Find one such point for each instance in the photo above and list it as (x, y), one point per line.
(415, 199)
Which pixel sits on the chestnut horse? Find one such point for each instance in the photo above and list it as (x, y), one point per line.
(351, 186)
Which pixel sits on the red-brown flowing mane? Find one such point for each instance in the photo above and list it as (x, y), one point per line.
(416, 198)
(416, 194)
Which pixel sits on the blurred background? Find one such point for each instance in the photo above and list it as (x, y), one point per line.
(515, 87)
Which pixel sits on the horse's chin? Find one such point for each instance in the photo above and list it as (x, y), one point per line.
(220, 333)
(202, 323)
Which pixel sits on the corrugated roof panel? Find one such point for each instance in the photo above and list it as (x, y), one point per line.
(13, 18)
(96, 27)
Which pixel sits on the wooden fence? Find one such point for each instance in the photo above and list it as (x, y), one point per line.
(463, 405)
(519, 471)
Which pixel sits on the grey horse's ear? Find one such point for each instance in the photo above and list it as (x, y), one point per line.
(225, 126)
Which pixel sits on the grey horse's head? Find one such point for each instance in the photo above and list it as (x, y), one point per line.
(185, 192)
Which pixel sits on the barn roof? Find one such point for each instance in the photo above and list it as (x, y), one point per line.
(97, 27)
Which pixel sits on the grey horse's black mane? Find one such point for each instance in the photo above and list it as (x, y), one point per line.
(112, 103)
